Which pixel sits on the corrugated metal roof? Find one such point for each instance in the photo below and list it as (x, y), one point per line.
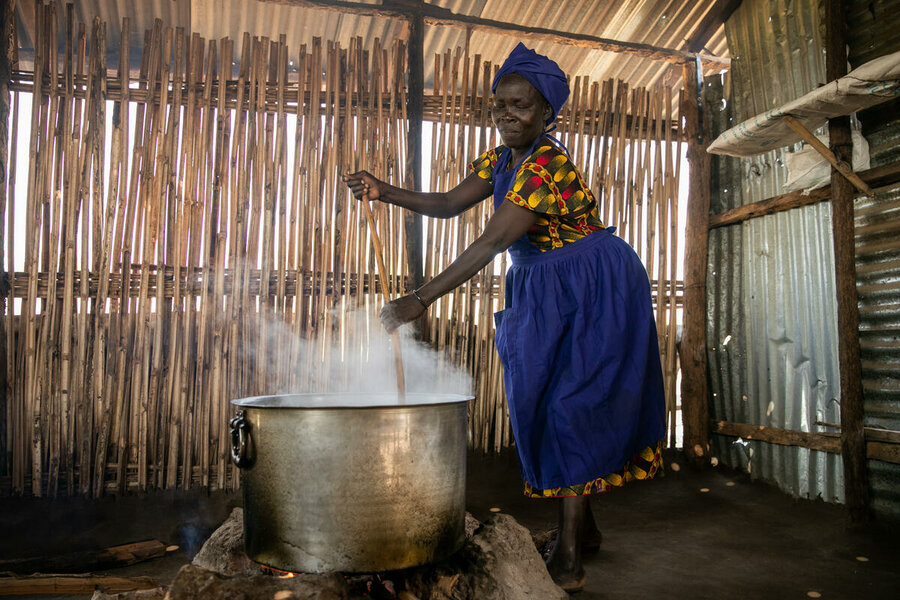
(664, 23)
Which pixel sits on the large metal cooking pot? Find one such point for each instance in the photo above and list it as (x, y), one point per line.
(351, 482)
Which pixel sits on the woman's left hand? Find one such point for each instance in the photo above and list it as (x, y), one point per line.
(402, 310)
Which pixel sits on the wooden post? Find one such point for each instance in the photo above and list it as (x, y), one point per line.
(694, 407)
(6, 20)
(412, 223)
(853, 442)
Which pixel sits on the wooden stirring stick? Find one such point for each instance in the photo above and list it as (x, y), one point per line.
(382, 272)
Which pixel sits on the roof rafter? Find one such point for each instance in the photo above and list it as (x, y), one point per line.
(436, 15)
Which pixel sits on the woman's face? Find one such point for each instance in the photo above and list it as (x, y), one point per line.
(519, 112)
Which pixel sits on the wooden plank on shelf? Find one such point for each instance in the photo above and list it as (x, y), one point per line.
(879, 177)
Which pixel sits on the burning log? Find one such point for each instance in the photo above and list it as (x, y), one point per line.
(194, 583)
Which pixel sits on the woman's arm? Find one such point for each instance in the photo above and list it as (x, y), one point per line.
(509, 223)
(470, 191)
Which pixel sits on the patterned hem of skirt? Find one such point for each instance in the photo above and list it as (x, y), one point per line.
(646, 464)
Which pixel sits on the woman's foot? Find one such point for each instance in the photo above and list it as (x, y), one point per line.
(565, 569)
(564, 562)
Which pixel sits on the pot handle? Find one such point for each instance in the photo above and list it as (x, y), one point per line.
(241, 441)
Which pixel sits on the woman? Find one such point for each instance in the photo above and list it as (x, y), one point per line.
(577, 338)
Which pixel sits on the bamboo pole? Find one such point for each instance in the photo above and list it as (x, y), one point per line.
(132, 438)
(206, 261)
(168, 453)
(49, 345)
(193, 215)
(220, 390)
(36, 177)
(15, 401)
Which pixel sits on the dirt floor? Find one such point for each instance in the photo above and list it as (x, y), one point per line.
(691, 535)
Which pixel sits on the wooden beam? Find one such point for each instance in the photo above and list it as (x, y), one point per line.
(436, 15)
(714, 18)
(884, 176)
(880, 445)
(23, 81)
(7, 20)
(412, 222)
(883, 451)
(853, 440)
(694, 392)
(823, 442)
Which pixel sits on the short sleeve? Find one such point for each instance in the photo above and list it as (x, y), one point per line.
(483, 166)
(548, 183)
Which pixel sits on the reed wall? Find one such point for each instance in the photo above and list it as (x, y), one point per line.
(171, 220)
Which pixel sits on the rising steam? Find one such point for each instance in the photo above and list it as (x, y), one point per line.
(357, 356)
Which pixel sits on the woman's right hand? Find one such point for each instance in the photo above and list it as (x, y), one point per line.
(363, 186)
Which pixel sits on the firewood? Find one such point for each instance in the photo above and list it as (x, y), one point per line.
(84, 561)
(72, 584)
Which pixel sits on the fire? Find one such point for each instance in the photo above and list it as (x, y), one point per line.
(278, 572)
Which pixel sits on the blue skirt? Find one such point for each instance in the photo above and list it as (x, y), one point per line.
(581, 360)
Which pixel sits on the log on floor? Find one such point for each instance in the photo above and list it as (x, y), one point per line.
(86, 561)
(72, 584)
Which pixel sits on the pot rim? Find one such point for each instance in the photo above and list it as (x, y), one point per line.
(344, 400)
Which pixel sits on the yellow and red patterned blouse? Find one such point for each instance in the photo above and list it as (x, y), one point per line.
(549, 184)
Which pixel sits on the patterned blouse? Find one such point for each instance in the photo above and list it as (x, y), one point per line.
(549, 184)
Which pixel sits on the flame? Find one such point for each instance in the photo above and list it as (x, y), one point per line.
(278, 572)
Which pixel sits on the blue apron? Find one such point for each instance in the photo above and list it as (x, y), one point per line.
(578, 343)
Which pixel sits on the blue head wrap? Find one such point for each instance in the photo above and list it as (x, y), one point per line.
(541, 72)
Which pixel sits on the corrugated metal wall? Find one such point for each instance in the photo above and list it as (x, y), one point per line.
(772, 312)
(872, 32)
(772, 333)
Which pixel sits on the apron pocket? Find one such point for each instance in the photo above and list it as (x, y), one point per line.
(505, 339)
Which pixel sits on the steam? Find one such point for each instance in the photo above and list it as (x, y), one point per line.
(354, 354)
